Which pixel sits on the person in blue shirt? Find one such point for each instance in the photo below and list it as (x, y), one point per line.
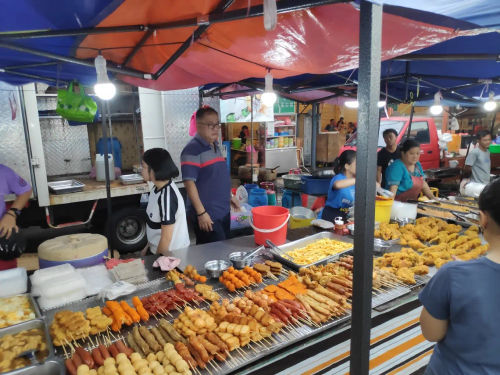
(461, 304)
(405, 177)
(341, 190)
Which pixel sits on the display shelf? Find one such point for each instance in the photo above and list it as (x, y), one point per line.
(281, 148)
(45, 95)
(50, 117)
(277, 136)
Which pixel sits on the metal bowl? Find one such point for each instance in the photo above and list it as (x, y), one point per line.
(236, 259)
(215, 268)
(381, 246)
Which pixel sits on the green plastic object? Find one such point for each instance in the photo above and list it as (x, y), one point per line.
(236, 143)
(495, 149)
(75, 106)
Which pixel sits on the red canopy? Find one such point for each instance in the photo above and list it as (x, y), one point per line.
(319, 40)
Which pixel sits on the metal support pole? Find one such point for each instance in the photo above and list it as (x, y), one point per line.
(104, 112)
(370, 30)
(252, 98)
(314, 135)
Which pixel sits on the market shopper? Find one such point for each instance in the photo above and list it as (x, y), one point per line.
(387, 154)
(11, 242)
(462, 301)
(478, 162)
(207, 181)
(244, 134)
(331, 127)
(341, 189)
(166, 214)
(405, 177)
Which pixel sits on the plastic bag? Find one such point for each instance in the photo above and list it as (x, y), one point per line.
(75, 107)
(120, 288)
(270, 15)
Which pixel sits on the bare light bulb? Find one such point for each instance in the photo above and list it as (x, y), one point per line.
(490, 105)
(268, 98)
(104, 88)
(437, 108)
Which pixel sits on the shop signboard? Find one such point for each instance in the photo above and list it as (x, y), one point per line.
(284, 105)
(238, 110)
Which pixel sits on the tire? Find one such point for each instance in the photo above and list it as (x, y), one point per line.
(128, 229)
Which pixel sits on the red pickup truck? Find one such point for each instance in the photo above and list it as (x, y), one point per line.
(423, 130)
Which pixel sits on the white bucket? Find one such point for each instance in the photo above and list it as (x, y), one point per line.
(100, 167)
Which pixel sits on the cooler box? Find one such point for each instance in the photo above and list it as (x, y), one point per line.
(315, 185)
(79, 250)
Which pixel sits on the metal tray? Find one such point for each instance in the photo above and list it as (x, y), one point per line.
(131, 179)
(31, 324)
(33, 305)
(306, 241)
(51, 367)
(455, 220)
(66, 186)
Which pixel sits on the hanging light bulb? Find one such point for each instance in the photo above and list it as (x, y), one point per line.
(437, 108)
(104, 88)
(381, 104)
(268, 98)
(490, 105)
(270, 14)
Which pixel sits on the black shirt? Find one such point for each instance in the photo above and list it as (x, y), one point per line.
(385, 158)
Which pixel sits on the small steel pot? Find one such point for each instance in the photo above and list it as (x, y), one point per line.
(214, 268)
(237, 259)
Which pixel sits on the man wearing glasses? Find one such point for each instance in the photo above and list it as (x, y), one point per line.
(207, 180)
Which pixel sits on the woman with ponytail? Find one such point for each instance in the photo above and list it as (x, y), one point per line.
(341, 190)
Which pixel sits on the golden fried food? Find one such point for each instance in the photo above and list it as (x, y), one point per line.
(15, 310)
(406, 275)
(420, 270)
(317, 250)
(98, 321)
(13, 345)
(68, 326)
(416, 245)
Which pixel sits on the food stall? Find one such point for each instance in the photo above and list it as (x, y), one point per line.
(295, 299)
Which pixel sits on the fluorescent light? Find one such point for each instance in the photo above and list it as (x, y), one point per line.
(268, 98)
(104, 88)
(355, 104)
(352, 104)
(437, 108)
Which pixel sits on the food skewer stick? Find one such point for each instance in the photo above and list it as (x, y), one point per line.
(215, 365)
(167, 312)
(65, 352)
(251, 347)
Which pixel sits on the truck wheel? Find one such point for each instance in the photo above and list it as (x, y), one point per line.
(128, 229)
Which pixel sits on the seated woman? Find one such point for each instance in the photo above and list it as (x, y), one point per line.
(166, 214)
(341, 190)
(405, 177)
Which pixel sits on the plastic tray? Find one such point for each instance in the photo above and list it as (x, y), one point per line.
(34, 307)
(304, 242)
(51, 367)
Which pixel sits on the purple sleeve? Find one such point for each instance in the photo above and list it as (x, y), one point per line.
(436, 295)
(16, 183)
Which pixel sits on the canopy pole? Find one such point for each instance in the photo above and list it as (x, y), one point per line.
(104, 113)
(33, 76)
(314, 135)
(73, 60)
(370, 31)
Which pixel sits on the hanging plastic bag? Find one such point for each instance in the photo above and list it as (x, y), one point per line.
(270, 14)
(75, 107)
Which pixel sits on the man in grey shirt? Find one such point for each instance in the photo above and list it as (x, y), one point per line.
(478, 162)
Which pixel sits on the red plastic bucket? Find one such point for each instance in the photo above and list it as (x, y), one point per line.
(269, 223)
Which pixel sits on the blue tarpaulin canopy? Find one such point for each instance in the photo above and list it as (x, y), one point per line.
(73, 16)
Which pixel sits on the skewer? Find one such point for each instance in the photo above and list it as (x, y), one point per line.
(251, 347)
(208, 370)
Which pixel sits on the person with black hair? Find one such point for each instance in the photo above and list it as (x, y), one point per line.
(244, 134)
(166, 214)
(341, 189)
(331, 127)
(388, 154)
(462, 301)
(207, 180)
(478, 162)
(405, 177)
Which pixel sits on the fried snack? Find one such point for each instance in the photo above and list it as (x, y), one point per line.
(14, 344)
(234, 279)
(191, 272)
(98, 321)
(207, 292)
(406, 275)
(15, 310)
(68, 326)
(317, 250)
(192, 322)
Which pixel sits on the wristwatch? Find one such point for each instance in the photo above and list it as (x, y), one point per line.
(16, 211)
